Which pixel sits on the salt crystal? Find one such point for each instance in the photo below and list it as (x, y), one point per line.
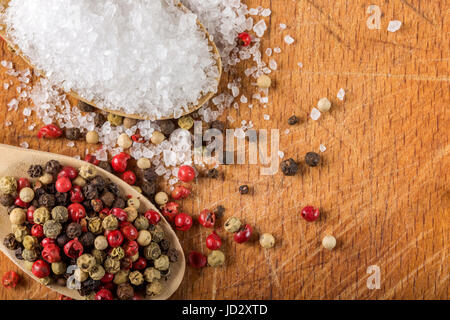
(6, 86)
(341, 94)
(281, 154)
(8, 123)
(260, 28)
(250, 106)
(322, 148)
(253, 11)
(289, 40)
(315, 114)
(269, 52)
(266, 117)
(27, 112)
(266, 12)
(273, 64)
(24, 145)
(244, 99)
(300, 64)
(31, 127)
(287, 131)
(4, 63)
(71, 144)
(277, 50)
(394, 25)
(230, 119)
(282, 26)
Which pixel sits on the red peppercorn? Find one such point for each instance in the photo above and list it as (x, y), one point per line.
(76, 194)
(140, 264)
(137, 296)
(310, 214)
(30, 214)
(104, 294)
(152, 216)
(119, 162)
(23, 183)
(63, 297)
(76, 212)
(183, 222)
(186, 173)
(120, 214)
(10, 279)
(51, 253)
(40, 269)
(213, 241)
(37, 231)
(63, 184)
(207, 218)
(115, 238)
(18, 202)
(244, 39)
(91, 159)
(170, 210)
(47, 241)
(108, 277)
(180, 192)
(108, 286)
(129, 177)
(73, 249)
(50, 131)
(244, 234)
(137, 138)
(196, 259)
(130, 232)
(131, 248)
(68, 172)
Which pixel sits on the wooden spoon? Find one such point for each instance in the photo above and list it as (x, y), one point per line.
(191, 108)
(16, 161)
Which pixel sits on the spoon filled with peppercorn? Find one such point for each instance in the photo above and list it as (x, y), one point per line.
(90, 94)
(82, 231)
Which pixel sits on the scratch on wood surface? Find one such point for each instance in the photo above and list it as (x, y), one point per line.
(273, 271)
(417, 11)
(414, 77)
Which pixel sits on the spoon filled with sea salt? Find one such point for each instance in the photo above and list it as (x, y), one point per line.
(16, 162)
(136, 58)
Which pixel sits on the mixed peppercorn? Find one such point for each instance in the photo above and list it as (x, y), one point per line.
(76, 225)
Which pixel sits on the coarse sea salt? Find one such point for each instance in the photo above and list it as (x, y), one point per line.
(288, 39)
(341, 94)
(315, 114)
(394, 25)
(145, 57)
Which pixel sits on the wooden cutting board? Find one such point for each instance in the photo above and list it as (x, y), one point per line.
(383, 184)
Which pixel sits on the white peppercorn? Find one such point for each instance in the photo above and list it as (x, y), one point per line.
(26, 195)
(143, 163)
(17, 216)
(124, 141)
(264, 81)
(144, 238)
(134, 202)
(329, 242)
(157, 137)
(46, 178)
(267, 240)
(132, 213)
(79, 181)
(161, 198)
(324, 105)
(100, 243)
(92, 137)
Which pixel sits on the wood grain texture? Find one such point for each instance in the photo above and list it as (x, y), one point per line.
(383, 184)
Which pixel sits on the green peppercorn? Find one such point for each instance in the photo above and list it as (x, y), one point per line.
(115, 120)
(233, 225)
(41, 215)
(125, 291)
(30, 255)
(153, 289)
(46, 281)
(121, 276)
(157, 233)
(136, 278)
(117, 253)
(99, 255)
(59, 268)
(52, 229)
(8, 185)
(141, 223)
(60, 214)
(152, 274)
(95, 225)
(110, 222)
(132, 213)
(152, 251)
(30, 242)
(112, 265)
(88, 171)
(162, 263)
(97, 272)
(216, 258)
(20, 232)
(186, 122)
(86, 262)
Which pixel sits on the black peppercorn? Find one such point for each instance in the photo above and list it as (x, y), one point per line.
(119, 203)
(87, 239)
(244, 189)
(10, 242)
(35, 171)
(289, 167)
(47, 200)
(150, 175)
(74, 230)
(113, 188)
(84, 107)
(173, 255)
(62, 199)
(105, 166)
(166, 126)
(165, 245)
(90, 192)
(292, 120)
(312, 159)
(39, 192)
(72, 133)
(88, 286)
(219, 211)
(99, 183)
(50, 188)
(6, 200)
(53, 167)
(99, 120)
(219, 125)
(148, 188)
(107, 198)
(62, 240)
(18, 253)
(212, 173)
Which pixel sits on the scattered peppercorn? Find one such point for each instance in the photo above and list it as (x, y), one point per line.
(244, 189)
(312, 159)
(115, 120)
(52, 167)
(72, 133)
(232, 225)
(216, 258)
(213, 173)
(267, 240)
(99, 120)
(289, 167)
(35, 171)
(293, 120)
(329, 242)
